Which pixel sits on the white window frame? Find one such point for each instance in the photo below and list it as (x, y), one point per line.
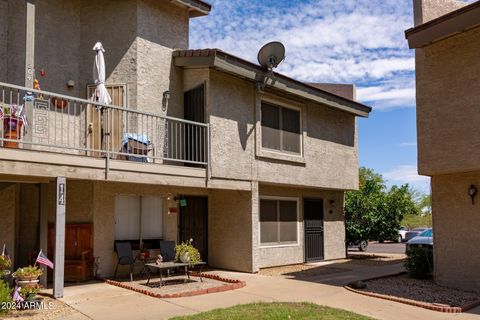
(274, 153)
(279, 245)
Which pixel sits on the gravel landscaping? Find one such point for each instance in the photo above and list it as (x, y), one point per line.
(53, 309)
(420, 290)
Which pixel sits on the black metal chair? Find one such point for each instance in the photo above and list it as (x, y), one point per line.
(167, 250)
(125, 257)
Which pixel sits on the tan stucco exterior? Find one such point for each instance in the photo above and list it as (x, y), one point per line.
(139, 55)
(448, 91)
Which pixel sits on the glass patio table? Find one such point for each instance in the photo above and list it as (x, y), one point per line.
(172, 265)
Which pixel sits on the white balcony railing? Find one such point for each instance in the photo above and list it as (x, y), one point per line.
(40, 120)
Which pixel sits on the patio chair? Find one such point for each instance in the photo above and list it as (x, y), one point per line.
(125, 257)
(167, 250)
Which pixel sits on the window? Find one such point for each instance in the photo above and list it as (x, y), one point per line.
(138, 217)
(278, 222)
(280, 128)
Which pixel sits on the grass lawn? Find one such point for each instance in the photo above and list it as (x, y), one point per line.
(273, 311)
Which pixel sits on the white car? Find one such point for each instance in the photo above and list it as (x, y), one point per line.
(401, 234)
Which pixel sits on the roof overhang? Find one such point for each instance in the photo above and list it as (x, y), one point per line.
(219, 60)
(196, 8)
(453, 23)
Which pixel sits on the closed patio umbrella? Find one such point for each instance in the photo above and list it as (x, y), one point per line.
(101, 93)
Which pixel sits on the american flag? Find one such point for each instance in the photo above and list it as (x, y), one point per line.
(5, 252)
(42, 259)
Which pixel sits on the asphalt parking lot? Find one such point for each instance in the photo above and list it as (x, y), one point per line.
(386, 247)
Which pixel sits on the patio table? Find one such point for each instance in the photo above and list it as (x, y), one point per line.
(172, 265)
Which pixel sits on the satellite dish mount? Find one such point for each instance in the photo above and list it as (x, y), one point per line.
(269, 57)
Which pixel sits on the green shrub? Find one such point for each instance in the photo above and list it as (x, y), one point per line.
(5, 295)
(419, 263)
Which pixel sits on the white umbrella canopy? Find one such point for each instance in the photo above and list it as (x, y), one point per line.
(101, 93)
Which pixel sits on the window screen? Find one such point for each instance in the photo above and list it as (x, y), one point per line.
(280, 128)
(278, 221)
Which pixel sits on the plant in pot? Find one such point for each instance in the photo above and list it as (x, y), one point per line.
(14, 118)
(5, 265)
(187, 253)
(29, 293)
(27, 276)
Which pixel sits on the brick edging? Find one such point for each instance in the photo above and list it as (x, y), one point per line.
(231, 284)
(415, 303)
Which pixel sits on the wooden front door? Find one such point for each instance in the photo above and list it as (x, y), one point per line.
(106, 122)
(194, 224)
(313, 221)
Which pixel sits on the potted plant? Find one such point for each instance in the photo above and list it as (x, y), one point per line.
(29, 293)
(27, 276)
(187, 253)
(14, 118)
(5, 265)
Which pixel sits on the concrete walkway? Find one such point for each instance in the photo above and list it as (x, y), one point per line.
(103, 301)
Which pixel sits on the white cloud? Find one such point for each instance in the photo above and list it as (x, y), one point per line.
(353, 41)
(408, 144)
(408, 174)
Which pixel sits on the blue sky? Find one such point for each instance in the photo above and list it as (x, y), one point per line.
(339, 41)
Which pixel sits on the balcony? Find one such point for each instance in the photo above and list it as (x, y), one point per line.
(42, 121)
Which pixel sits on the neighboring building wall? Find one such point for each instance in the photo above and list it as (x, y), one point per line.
(3, 39)
(230, 230)
(448, 92)
(8, 221)
(426, 10)
(334, 227)
(329, 139)
(456, 223)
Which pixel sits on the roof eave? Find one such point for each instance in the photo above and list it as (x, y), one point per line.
(196, 8)
(448, 25)
(234, 66)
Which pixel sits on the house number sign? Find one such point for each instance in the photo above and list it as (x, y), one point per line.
(61, 194)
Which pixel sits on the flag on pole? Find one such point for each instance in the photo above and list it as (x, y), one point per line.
(42, 259)
(5, 252)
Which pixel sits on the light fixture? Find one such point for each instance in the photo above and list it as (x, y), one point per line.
(472, 192)
(166, 95)
(70, 83)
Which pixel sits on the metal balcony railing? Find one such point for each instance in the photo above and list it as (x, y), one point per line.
(46, 121)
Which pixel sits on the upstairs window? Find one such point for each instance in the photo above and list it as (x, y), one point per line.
(281, 128)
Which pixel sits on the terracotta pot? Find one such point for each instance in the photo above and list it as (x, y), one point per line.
(59, 103)
(12, 128)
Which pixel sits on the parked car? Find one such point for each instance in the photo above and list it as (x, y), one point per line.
(413, 233)
(423, 239)
(401, 234)
(360, 244)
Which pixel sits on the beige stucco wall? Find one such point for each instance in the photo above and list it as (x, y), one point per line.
(455, 230)
(329, 139)
(230, 230)
(448, 92)
(426, 10)
(334, 227)
(3, 39)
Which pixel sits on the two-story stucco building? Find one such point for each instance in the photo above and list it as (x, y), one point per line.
(446, 37)
(190, 148)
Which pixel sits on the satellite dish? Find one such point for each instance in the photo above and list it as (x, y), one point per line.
(271, 55)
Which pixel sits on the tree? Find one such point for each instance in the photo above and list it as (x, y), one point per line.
(374, 212)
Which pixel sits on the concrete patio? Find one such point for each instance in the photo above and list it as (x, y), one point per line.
(98, 300)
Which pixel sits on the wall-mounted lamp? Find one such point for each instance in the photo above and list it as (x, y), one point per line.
(472, 192)
(70, 83)
(166, 95)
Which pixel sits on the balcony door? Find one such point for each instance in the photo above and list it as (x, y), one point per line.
(103, 123)
(195, 137)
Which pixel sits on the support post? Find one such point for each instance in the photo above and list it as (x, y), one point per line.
(29, 64)
(58, 271)
(44, 227)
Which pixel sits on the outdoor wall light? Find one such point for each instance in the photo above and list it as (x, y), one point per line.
(166, 95)
(70, 83)
(472, 192)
